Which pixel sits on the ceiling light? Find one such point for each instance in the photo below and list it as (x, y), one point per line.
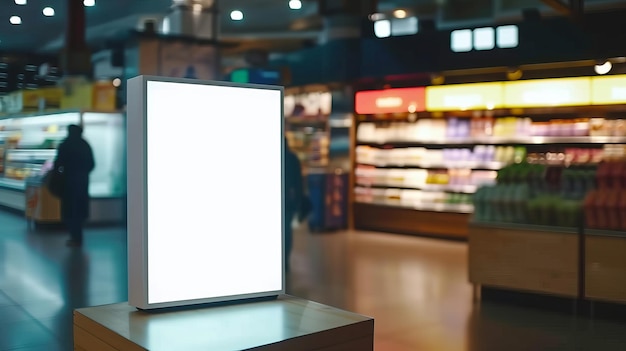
(295, 4)
(197, 9)
(15, 20)
(235, 15)
(117, 82)
(89, 3)
(603, 68)
(437, 79)
(20, 2)
(376, 17)
(48, 11)
(514, 73)
(484, 38)
(382, 29)
(399, 14)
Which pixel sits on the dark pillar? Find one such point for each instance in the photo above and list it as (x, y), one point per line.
(577, 10)
(344, 18)
(76, 58)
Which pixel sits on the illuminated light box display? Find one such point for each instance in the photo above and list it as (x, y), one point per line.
(397, 100)
(608, 90)
(548, 92)
(205, 193)
(482, 96)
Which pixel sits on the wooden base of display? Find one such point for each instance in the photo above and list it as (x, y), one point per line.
(525, 258)
(605, 266)
(409, 221)
(287, 323)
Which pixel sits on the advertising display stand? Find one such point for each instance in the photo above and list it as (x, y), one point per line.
(206, 264)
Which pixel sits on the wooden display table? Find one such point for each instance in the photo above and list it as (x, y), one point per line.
(287, 323)
(605, 266)
(525, 258)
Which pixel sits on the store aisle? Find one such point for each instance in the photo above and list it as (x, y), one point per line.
(415, 288)
(42, 281)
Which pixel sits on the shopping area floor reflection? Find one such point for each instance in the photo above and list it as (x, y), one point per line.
(415, 288)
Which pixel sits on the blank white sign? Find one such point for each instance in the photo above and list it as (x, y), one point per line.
(213, 200)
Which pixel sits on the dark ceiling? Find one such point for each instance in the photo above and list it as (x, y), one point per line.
(266, 21)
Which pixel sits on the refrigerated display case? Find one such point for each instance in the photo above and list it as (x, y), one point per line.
(28, 143)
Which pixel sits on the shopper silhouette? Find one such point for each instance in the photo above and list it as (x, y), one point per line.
(294, 194)
(75, 160)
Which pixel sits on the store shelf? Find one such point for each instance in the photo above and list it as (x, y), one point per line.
(439, 165)
(306, 121)
(465, 189)
(433, 207)
(603, 232)
(13, 184)
(405, 220)
(30, 155)
(538, 140)
(528, 227)
(340, 123)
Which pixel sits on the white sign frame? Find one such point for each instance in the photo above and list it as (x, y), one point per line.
(138, 212)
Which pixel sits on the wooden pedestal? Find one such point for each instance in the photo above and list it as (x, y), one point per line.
(287, 323)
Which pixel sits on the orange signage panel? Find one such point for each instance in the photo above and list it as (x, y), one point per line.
(397, 100)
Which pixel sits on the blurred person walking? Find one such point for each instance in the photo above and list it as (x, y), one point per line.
(294, 197)
(75, 160)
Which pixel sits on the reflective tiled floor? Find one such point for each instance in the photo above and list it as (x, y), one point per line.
(415, 288)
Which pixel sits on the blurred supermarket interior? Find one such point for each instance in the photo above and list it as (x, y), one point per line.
(465, 160)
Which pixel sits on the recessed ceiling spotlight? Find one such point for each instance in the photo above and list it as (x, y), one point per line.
(20, 2)
(48, 11)
(236, 15)
(514, 73)
(399, 13)
(15, 20)
(117, 82)
(295, 4)
(376, 17)
(603, 68)
(89, 3)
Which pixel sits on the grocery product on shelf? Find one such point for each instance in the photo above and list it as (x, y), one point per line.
(24, 163)
(524, 194)
(415, 199)
(548, 190)
(482, 128)
(605, 207)
(310, 146)
(454, 180)
(479, 156)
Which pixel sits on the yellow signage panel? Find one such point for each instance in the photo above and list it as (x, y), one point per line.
(608, 90)
(42, 98)
(478, 96)
(548, 92)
